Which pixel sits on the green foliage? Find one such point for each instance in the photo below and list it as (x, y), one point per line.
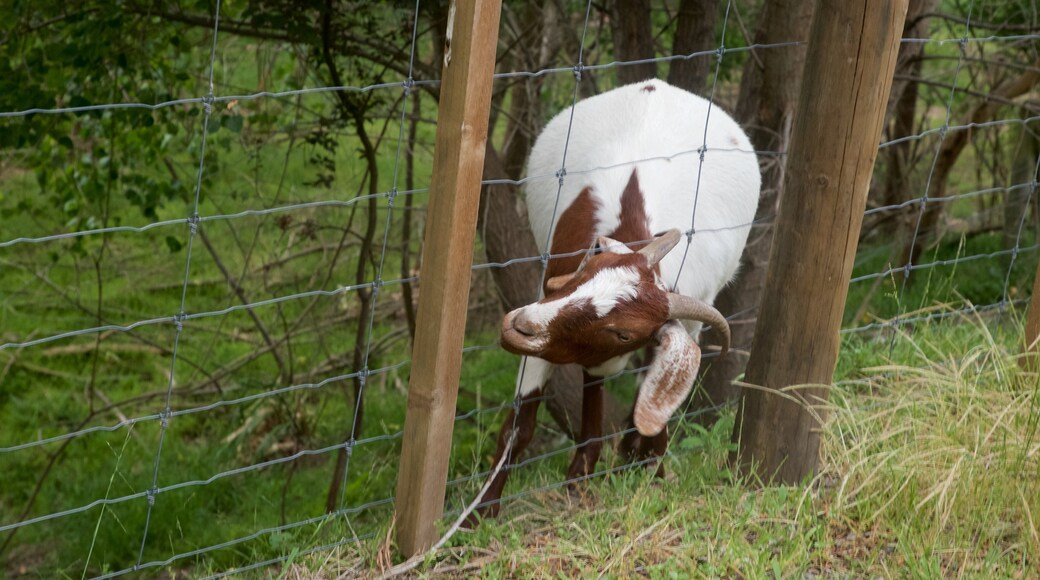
(956, 270)
(58, 56)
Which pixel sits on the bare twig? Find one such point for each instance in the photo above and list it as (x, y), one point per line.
(241, 293)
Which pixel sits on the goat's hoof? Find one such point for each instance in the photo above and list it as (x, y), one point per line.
(471, 522)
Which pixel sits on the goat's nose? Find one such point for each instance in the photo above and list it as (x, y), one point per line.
(524, 326)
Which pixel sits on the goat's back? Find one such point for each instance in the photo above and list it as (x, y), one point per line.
(658, 131)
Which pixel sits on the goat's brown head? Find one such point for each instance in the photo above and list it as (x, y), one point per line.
(610, 306)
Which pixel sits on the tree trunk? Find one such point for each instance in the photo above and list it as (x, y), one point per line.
(902, 109)
(853, 50)
(694, 32)
(1023, 173)
(503, 225)
(507, 235)
(765, 107)
(633, 40)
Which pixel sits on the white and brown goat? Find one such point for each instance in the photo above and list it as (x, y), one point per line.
(643, 158)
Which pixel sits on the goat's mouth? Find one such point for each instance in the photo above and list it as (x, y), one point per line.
(518, 339)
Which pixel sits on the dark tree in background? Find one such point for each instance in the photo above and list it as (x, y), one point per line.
(768, 94)
(694, 32)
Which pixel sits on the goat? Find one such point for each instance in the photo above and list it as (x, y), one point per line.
(640, 159)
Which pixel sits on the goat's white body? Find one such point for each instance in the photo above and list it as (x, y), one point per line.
(659, 132)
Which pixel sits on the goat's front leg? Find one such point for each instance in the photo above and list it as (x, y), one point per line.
(533, 375)
(590, 439)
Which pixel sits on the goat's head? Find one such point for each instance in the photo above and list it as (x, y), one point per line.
(610, 306)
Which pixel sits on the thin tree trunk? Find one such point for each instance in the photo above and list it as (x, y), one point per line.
(633, 40)
(503, 226)
(768, 96)
(694, 32)
(1023, 172)
(902, 109)
(355, 111)
(507, 235)
(406, 218)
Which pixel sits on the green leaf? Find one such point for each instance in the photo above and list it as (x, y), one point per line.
(173, 244)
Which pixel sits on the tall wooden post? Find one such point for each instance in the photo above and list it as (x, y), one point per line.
(848, 74)
(458, 161)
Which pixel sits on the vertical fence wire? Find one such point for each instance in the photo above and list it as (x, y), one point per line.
(719, 53)
(179, 320)
(908, 267)
(547, 244)
(1016, 249)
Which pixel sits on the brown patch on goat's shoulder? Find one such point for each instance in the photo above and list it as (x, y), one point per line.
(633, 225)
(649, 88)
(575, 231)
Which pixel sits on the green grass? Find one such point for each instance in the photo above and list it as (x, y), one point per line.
(959, 269)
(931, 465)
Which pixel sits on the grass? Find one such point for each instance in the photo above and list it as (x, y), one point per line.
(931, 469)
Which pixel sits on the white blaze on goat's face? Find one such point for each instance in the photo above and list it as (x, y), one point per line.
(604, 291)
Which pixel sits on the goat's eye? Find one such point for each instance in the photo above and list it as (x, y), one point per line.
(624, 336)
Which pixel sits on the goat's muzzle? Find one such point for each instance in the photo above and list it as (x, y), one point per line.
(521, 336)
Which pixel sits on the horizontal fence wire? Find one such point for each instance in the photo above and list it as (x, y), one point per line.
(939, 314)
(194, 221)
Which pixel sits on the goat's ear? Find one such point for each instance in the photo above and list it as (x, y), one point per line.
(556, 282)
(669, 379)
(611, 245)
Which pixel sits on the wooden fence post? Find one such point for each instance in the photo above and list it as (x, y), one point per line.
(848, 73)
(458, 161)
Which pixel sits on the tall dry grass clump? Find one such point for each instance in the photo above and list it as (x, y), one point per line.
(940, 450)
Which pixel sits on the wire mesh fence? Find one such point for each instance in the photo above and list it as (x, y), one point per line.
(214, 380)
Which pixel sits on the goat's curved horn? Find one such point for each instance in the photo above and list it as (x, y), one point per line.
(687, 308)
(660, 246)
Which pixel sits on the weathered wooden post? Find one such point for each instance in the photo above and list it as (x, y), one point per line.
(462, 124)
(848, 74)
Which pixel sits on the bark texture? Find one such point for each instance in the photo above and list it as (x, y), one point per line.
(694, 32)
